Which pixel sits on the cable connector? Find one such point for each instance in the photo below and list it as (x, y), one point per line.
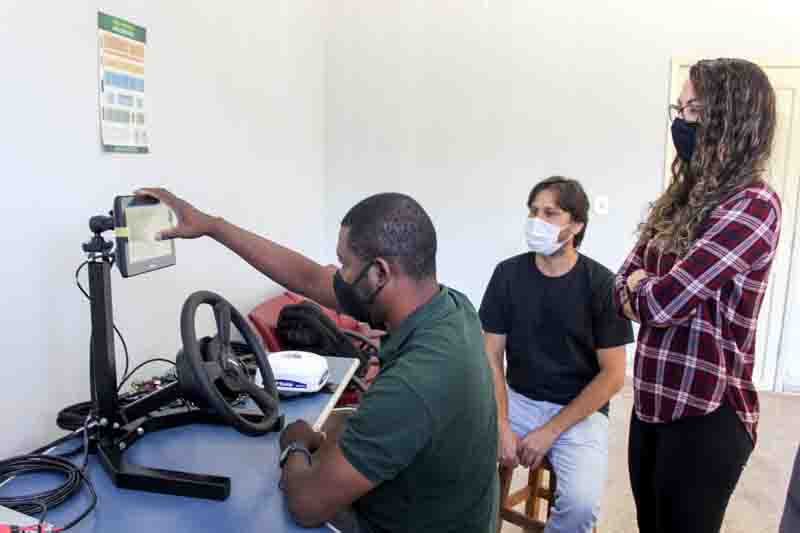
(44, 528)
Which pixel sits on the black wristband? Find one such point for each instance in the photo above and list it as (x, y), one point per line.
(292, 448)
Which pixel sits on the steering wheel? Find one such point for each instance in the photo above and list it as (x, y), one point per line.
(210, 373)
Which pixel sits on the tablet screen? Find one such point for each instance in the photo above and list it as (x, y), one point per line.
(144, 223)
(137, 221)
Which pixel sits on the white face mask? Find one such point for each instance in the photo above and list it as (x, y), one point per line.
(542, 237)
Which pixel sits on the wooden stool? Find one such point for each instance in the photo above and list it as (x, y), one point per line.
(540, 491)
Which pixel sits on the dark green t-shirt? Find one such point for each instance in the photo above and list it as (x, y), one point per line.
(426, 430)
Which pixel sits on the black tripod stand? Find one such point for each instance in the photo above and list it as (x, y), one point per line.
(119, 427)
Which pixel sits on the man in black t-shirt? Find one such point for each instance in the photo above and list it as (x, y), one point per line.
(550, 313)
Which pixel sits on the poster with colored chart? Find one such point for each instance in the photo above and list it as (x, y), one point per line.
(123, 110)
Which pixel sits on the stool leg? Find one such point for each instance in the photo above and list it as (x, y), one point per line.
(505, 474)
(532, 503)
(553, 486)
(534, 506)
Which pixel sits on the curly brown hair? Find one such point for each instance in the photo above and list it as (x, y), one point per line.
(734, 142)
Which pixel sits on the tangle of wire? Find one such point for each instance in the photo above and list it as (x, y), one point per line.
(40, 462)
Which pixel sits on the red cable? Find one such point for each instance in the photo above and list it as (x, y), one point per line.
(11, 528)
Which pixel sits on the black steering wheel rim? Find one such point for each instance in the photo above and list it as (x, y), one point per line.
(224, 365)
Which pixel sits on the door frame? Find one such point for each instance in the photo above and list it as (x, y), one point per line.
(676, 64)
(776, 382)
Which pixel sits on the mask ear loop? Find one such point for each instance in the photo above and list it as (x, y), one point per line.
(362, 274)
(570, 233)
(377, 291)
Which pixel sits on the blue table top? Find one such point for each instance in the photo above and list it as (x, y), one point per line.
(256, 504)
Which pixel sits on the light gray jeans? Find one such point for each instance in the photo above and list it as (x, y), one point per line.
(579, 458)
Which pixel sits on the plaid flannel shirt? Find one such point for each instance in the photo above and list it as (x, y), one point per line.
(698, 313)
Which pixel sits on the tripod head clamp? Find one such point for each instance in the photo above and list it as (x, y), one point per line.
(97, 245)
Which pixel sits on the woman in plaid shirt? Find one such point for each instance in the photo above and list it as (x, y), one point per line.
(695, 282)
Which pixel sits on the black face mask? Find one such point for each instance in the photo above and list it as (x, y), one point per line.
(684, 137)
(350, 302)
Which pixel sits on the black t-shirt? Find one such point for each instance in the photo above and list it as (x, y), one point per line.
(553, 325)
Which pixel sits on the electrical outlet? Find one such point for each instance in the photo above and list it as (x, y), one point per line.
(601, 205)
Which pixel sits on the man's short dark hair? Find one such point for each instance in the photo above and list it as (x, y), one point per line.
(570, 197)
(393, 226)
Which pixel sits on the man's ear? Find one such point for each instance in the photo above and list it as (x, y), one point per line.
(574, 228)
(383, 273)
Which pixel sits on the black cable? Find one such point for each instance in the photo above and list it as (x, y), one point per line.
(78, 281)
(72, 417)
(57, 442)
(84, 478)
(154, 360)
(116, 330)
(40, 462)
(71, 453)
(125, 349)
(42, 518)
(40, 502)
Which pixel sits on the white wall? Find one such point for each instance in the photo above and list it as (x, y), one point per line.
(235, 91)
(280, 119)
(466, 104)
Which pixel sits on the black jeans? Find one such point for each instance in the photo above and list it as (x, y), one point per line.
(683, 473)
(791, 513)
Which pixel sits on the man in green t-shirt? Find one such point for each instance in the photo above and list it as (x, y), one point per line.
(419, 455)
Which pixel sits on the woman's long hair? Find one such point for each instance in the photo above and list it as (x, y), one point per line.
(734, 142)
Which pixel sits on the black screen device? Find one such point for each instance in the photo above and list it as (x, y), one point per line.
(137, 221)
